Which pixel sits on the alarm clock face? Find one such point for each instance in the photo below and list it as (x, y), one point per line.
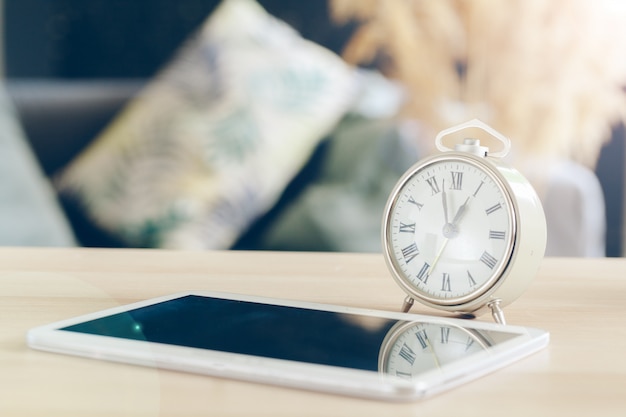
(449, 229)
(415, 348)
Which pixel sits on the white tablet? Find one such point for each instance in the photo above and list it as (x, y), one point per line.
(367, 353)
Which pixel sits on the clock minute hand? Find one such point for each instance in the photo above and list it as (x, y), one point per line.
(444, 200)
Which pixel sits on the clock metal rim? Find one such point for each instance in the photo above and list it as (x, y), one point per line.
(461, 303)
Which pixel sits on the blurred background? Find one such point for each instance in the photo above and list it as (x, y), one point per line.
(368, 85)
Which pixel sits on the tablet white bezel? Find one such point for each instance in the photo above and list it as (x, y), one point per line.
(283, 372)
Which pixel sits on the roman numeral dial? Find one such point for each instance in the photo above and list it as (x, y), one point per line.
(449, 229)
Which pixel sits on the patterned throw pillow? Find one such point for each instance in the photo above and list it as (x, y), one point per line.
(213, 140)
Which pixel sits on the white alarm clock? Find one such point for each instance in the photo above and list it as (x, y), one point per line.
(463, 231)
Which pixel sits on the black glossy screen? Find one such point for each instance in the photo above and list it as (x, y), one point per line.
(265, 330)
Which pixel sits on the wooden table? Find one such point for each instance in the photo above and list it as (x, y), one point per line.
(582, 302)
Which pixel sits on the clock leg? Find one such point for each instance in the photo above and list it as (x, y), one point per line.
(407, 304)
(496, 312)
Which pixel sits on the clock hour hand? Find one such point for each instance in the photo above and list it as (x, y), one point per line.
(460, 212)
(451, 230)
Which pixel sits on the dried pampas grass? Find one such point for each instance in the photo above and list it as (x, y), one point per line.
(548, 74)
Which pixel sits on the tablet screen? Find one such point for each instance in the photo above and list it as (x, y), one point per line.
(294, 333)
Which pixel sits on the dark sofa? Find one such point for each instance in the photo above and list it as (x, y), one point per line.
(64, 107)
(60, 118)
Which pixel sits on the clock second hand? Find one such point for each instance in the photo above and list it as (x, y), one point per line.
(444, 201)
(432, 351)
(439, 253)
